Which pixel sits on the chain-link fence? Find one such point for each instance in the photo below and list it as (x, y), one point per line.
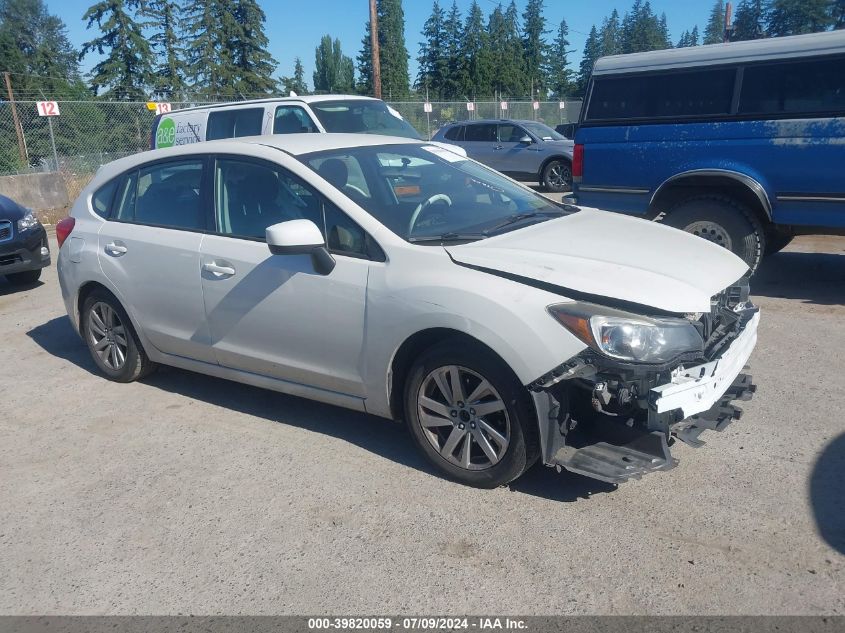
(87, 134)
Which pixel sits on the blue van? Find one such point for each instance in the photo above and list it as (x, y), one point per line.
(740, 143)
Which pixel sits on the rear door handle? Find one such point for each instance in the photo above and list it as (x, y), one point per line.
(498, 147)
(218, 270)
(115, 249)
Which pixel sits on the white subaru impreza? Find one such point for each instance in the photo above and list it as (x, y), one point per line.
(397, 278)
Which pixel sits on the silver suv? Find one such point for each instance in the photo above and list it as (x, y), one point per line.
(524, 150)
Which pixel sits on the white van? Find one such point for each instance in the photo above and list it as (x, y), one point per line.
(282, 115)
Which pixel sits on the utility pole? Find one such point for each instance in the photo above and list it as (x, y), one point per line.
(17, 121)
(375, 50)
(728, 26)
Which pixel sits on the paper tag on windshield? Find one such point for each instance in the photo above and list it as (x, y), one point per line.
(445, 154)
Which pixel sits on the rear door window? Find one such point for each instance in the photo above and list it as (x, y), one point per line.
(234, 123)
(685, 94)
(480, 132)
(802, 87)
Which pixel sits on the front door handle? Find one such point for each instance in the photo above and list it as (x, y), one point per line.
(218, 270)
(115, 249)
(498, 147)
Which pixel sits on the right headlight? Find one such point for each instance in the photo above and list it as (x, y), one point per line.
(628, 337)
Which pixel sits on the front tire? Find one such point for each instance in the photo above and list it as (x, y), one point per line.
(24, 278)
(111, 339)
(723, 221)
(470, 416)
(557, 176)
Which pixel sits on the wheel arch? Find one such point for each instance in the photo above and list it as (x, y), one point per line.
(412, 347)
(742, 187)
(91, 286)
(545, 163)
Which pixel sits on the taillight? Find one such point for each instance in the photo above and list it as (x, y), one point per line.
(63, 229)
(578, 162)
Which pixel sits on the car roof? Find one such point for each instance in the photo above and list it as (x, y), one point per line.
(294, 144)
(474, 121)
(297, 99)
(827, 43)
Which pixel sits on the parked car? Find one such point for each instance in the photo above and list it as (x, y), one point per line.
(738, 143)
(395, 277)
(24, 250)
(524, 150)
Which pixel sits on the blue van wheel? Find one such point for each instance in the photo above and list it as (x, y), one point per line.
(723, 221)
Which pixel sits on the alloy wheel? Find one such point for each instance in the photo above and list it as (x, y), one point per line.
(463, 417)
(559, 175)
(107, 335)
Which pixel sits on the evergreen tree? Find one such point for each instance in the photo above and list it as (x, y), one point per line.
(665, 41)
(558, 77)
(432, 59)
(794, 17)
(452, 88)
(333, 71)
(592, 51)
(694, 36)
(35, 49)
(254, 65)
(642, 30)
(611, 35)
(126, 70)
(714, 32)
(212, 30)
(476, 69)
(296, 83)
(684, 40)
(534, 44)
(748, 23)
(505, 52)
(166, 41)
(837, 14)
(393, 56)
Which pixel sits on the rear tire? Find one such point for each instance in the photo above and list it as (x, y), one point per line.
(557, 176)
(112, 340)
(24, 278)
(479, 435)
(723, 221)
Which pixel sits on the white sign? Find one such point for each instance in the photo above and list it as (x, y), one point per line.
(470, 106)
(163, 108)
(536, 105)
(562, 105)
(503, 105)
(426, 107)
(47, 108)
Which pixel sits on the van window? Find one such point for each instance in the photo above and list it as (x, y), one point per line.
(684, 94)
(292, 120)
(234, 123)
(794, 87)
(362, 116)
(480, 132)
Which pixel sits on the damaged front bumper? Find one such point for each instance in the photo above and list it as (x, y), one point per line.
(680, 405)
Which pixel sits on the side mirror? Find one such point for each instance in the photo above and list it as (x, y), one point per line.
(526, 140)
(300, 237)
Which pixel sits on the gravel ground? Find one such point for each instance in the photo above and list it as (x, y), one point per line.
(189, 494)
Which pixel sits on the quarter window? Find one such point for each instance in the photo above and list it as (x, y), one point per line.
(102, 199)
(234, 123)
(802, 87)
(292, 120)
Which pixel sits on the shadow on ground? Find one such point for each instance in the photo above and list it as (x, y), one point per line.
(7, 289)
(377, 435)
(809, 277)
(827, 493)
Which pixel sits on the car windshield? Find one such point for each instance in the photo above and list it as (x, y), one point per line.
(425, 193)
(359, 116)
(543, 131)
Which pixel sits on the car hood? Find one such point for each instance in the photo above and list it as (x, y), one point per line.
(596, 255)
(11, 210)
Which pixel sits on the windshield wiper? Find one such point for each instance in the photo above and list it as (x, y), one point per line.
(447, 237)
(520, 217)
